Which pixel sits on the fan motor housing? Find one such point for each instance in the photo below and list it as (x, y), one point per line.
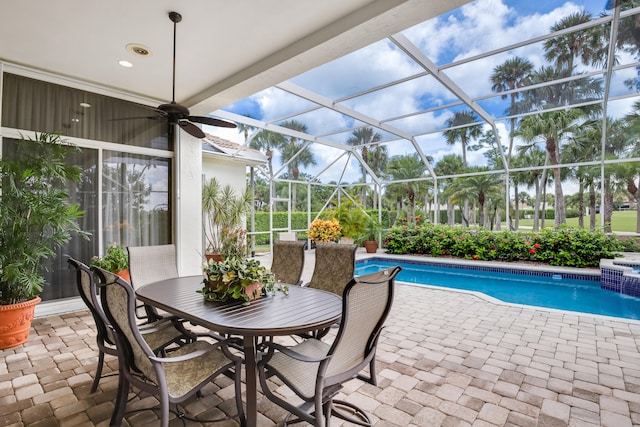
(174, 109)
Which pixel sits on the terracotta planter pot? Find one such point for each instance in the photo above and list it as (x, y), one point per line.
(15, 322)
(124, 274)
(215, 257)
(254, 290)
(371, 246)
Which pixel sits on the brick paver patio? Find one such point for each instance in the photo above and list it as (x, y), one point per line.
(445, 358)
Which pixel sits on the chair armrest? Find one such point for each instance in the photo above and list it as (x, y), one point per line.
(150, 328)
(294, 355)
(182, 358)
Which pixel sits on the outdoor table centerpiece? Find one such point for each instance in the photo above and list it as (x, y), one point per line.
(235, 278)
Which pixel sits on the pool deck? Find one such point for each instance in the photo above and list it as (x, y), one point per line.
(445, 358)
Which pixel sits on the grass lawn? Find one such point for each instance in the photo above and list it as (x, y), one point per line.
(621, 221)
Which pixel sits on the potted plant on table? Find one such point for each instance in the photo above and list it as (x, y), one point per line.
(236, 278)
(115, 260)
(36, 219)
(222, 210)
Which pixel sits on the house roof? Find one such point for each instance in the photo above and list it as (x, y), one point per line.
(213, 145)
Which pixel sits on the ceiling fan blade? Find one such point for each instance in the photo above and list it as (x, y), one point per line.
(138, 118)
(191, 129)
(212, 122)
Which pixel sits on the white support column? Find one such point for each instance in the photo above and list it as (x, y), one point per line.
(188, 203)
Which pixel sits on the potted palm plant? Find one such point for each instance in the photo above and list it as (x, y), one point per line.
(222, 212)
(36, 219)
(351, 218)
(369, 236)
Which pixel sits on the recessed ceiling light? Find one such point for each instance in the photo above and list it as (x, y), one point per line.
(85, 105)
(125, 64)
(138, 49)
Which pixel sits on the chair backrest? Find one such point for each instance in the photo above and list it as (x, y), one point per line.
(288, 261)
(88, 292)
(365, 305)
(148, 264)
(119, 303)
(334, 266)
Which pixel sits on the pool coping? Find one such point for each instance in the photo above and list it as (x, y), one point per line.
(493, 300)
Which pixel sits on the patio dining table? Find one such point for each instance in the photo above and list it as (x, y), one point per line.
(302, 310)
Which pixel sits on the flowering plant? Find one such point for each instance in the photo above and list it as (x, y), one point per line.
(322, 230)
(115, 259)
(236, 278)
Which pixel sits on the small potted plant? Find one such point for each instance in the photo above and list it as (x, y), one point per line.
(324, 230)
(236, 278)
(115, 260)
(369, 236)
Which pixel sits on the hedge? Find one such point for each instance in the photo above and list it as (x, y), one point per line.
(566, 246)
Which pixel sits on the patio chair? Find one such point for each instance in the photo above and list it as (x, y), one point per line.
(315, 370)
(172, 378)
(334, 266)
(288, 261)
(148, 264)
(158, 336)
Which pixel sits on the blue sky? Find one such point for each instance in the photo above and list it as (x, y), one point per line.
(476, 28)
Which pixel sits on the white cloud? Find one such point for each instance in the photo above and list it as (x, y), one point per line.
(478, 27)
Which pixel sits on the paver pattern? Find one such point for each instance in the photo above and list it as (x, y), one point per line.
(445, 358)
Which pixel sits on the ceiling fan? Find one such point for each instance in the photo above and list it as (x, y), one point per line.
(177, 114)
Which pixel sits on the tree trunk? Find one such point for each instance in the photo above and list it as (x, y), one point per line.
(592, 207)
(451, 217)
(516, 200)
(607, 210)
(536, 208)
(581, 203)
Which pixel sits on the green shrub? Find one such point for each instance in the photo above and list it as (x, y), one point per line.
(564, 246)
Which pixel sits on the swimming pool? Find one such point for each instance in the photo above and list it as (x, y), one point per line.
(554, 291)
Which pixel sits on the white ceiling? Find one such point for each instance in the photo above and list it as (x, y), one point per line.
(226, 50)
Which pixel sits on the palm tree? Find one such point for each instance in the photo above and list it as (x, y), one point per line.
(631, 170)
(404, 168)
(296, 154)
(377, 159)
(362, 138)
(589, 44)
(477, 188)
(511, 74)
(463, 134)
(267, 141)
(450, 164)
(552, 128)
(245, 129)
(534, 157)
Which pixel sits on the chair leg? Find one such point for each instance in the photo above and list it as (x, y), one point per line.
(371, 379)
(96, 380)
(164, 409)
(121, 401)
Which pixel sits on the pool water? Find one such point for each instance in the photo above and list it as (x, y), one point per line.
(558, 292)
